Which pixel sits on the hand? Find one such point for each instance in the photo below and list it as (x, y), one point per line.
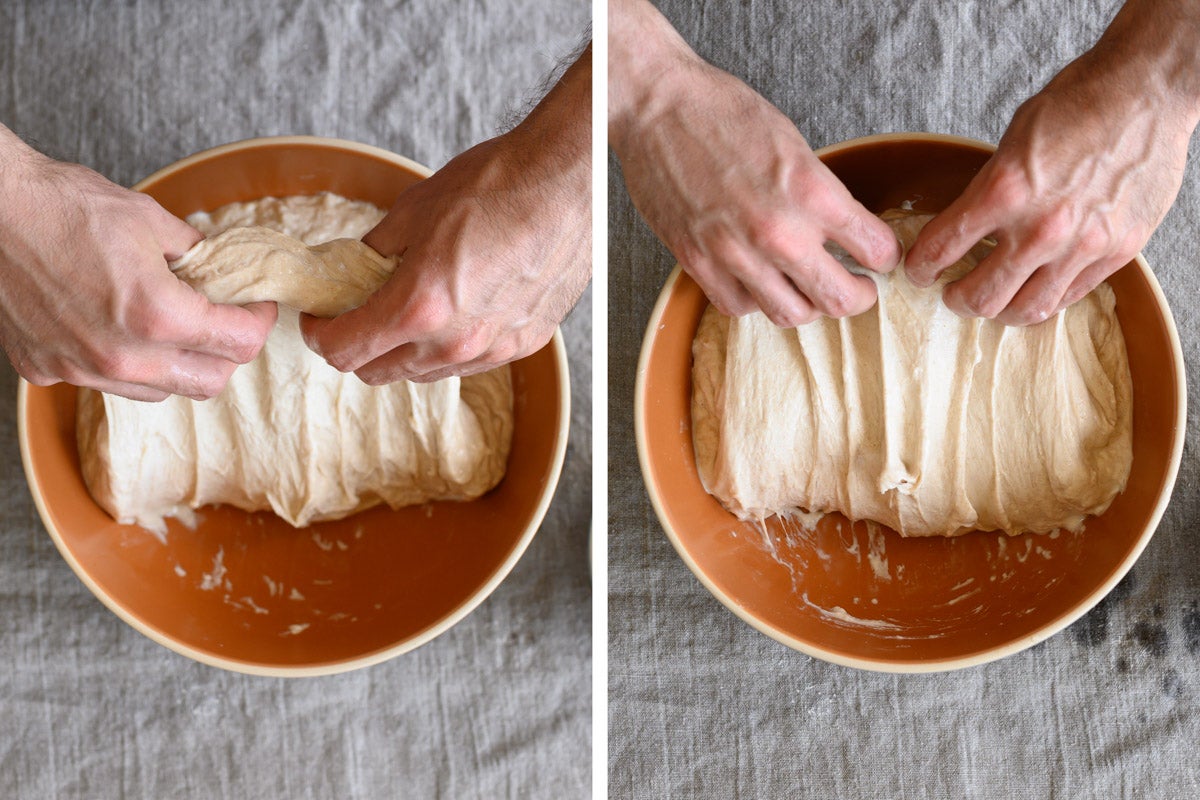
(1084, 174)
(86, 296)
(729, 184)
(496, 250)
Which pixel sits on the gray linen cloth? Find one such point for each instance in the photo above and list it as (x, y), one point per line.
(702, 705)
(497, 707)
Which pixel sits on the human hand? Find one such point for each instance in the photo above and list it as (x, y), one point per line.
(86, 296)
(1083, 176)
(496, 250)
(729, 184)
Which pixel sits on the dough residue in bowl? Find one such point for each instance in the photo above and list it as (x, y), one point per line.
(289, 432)
(913, 417)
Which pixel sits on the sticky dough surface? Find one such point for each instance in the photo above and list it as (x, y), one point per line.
(290, 433)
(913, 417)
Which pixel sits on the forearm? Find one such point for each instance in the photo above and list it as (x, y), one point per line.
(1151, 47)
(559, 129)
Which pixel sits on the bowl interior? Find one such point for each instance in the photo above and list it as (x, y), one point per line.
(861, 594)
(249, 592)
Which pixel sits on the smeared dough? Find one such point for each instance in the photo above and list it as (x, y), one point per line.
(290, 433)
(914, 417)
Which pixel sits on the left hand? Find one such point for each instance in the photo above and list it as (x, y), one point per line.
(1082, 177)
(496, 250)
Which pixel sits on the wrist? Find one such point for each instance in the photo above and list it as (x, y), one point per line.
(20, 168)
(17, 159)
(645, 53)
(1151, 47)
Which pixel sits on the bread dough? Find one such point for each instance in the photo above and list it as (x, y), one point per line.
(245, 265)
(913, 417)
(289, 432)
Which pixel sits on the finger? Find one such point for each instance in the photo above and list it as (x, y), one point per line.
(232, 333)
(831, 289)
(457, 371)
(1090, 278)
(388, 237)
(142, 376)
(353, 339)
(175, 237)
(779, 299)
(949, 236)
(726, 293)
(132, 391)
(400, 364)
(867, 238)
(448, 355)
(1041, 296)
(986, 290)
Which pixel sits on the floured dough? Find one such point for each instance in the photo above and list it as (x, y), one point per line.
(289, 432)
(914, 417)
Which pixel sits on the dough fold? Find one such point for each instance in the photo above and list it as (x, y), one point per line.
(913, 417)
(290, 433)
(246, 265)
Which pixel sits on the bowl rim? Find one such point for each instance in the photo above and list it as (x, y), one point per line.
(932, 665)
(358, 662)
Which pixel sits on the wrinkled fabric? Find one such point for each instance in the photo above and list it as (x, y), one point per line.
(702, 705)
(499, 706)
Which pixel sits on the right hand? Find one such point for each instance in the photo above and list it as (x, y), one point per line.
(727, 182)
(86, 296)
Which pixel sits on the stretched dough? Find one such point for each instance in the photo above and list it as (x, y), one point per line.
(913, 417)
(246, 265)
(290, 433)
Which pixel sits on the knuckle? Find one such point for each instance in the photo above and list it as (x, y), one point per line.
(934, 250)
(1007, 187)
(37, 377)
(839, 304)
(209, 385)
(1095, 242)
(74, 375)
(772, 234)
(504, 351)
(244, 348)
(148, 320)
(734, 306)
(244, 352)
(342, 361)
(373, 378)
(721, 254)
(112, 364)
(144, 201)
(1055, 226)
(790, 317)
(425, 314)
(980, 304)
(816, 193)
(458, 350)
(1031, 313)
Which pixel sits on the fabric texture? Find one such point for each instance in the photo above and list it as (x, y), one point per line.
(702, 705)
(499, 706)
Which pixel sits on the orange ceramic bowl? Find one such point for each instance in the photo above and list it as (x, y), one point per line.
(861, 595)
(247, 592)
